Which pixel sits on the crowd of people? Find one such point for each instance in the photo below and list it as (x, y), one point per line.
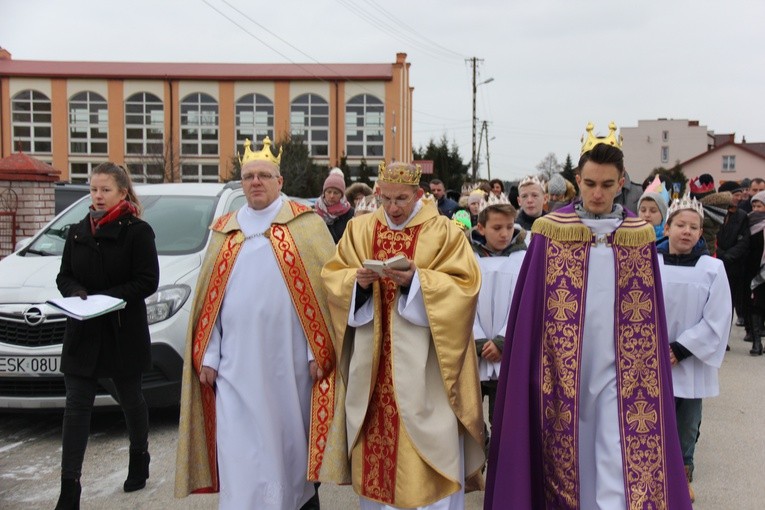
(592, 317)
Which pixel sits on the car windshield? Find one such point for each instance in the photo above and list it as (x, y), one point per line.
(179, 222)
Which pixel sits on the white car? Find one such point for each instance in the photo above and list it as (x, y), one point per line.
(31, 332)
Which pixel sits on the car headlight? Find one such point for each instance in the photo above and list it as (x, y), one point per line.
(164, 303)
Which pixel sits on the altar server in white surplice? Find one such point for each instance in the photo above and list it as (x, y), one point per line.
(499, 245)
(699, 314)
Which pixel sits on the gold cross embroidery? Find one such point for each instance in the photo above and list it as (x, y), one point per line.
(564, 307)
(636, 303)
(560, 415)
(641, 413)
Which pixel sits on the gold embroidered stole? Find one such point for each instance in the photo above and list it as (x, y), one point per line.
(638, 365)
(216, 289)
(316, 331)
(381, 429)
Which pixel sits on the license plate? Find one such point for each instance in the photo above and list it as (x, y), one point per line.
(29, 365)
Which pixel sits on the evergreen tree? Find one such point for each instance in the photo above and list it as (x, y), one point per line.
(569, 172)
(346, 170)
(297, 168)
(673, 177)
(236, 169)
(447, 163)
(365, 173)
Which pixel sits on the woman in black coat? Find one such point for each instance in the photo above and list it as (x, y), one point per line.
(112, 252)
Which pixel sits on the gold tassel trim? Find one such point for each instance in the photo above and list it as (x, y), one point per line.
(552, 227)
(634, 232)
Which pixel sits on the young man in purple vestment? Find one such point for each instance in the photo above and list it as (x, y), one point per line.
(584, 416)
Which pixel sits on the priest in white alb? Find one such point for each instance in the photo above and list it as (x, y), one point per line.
(258, 382)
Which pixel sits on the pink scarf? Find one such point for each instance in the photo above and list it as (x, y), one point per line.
(330, 213)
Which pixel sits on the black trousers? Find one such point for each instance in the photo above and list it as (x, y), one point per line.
(80, 395)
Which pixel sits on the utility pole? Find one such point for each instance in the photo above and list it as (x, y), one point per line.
(474, 61)
(485, 128)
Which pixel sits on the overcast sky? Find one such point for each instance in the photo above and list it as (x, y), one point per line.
(556, 64)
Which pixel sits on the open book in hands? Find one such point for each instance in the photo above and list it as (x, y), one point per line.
(82, 309)
(399, 262)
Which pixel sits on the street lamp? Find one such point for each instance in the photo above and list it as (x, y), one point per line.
(474, 162)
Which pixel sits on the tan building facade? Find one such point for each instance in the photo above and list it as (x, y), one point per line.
(662, 143)
(186, 122)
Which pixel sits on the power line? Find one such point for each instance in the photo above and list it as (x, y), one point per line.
(394, 19)
(389, 29)
(395, 102)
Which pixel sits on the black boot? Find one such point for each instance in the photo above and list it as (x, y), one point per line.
(756, 349)
(138, 470)
(69, 499)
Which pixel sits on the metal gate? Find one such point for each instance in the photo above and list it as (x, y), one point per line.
(8, 206)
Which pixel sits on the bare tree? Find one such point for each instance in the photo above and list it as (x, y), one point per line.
(161, 163)
(549, 166)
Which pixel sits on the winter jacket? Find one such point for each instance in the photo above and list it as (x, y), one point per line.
(119, 260)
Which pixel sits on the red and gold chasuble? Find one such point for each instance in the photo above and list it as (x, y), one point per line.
(382, 426)
(312, 321)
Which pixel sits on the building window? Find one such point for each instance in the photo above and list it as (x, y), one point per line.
(79, 173)
(309, 120)
(254, 119)
(144, 125)
(664, 154)
(199, 125)
(199, 172)
(729, 163)
(88, 124)
(364, 126)
(147, 173)
(665, 136)
(30, 114)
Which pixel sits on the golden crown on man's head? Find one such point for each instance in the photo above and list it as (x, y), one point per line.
(592, 140)
(262, 155)
(399, 172)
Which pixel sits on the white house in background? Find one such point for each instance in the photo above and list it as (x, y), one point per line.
(728, 161)
(663, 143)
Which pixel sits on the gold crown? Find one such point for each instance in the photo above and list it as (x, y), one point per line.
(263, 155)
(592, 140)
(400, 173)
(531, 179)
(686, 202)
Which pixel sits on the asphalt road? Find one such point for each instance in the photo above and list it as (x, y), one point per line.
(728, 457)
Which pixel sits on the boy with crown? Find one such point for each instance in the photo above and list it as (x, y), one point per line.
(258, 379)
(584, 417)
(405, 351)
(531, 199)
(698, 310)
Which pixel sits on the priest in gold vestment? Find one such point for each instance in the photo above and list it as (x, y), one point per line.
(403, 338)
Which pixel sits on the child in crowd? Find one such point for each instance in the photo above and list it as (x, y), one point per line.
(652, 206)
(500, 247)
(699, 312)
(476, 201)
(532, 199)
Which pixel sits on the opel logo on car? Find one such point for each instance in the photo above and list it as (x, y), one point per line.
(33, 316)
